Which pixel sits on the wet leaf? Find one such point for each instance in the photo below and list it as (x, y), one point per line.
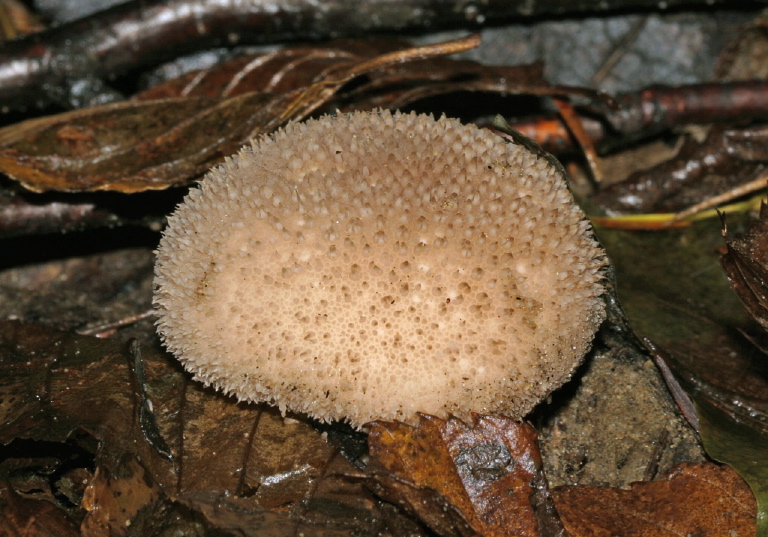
(131, 146)
(140, 145)
(238, 517)
(730, 412)
(393, 86)
(692, 499)
(116, 495)
(53, 384)
(32, 518)
(726, 158)
(480, 479)
(739, 444)
(173, 133)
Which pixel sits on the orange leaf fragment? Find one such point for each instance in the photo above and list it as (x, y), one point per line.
(706, 500)
(485, 478)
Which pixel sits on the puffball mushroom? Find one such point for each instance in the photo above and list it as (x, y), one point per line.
(376, 266)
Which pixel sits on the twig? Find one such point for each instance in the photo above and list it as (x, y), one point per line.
(652, 468)
(619, 50)
(576, 128)
(647, 112)
(107, 329)
(736, 192)
(660, 107)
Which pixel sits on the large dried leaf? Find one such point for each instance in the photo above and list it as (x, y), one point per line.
(692, 499)
(132, 146)
(140, 145)
(394, 86)
(135, 146)
(480, 479)
(197, 120)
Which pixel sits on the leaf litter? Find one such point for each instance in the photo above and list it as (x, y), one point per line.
(138, 145)
(225, 458)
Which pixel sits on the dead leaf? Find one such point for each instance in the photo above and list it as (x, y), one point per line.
(704, 499)
(131, 146)
(32, 518)
(53, 384)
(115, 496)
(201, 118)
(393, 86)
(236, 516)
(677, 298)
(139, 145)
(484, 478)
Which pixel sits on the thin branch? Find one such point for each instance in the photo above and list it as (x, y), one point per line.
(619, 50)
(731, 194)
(105, 330)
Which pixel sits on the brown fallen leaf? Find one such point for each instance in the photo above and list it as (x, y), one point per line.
(705, 500)
(115, 496)
(32, 518)
(480, 479)
(235, 516)
(171, 134)
(139, 145)
(127, 146)
(393, 86)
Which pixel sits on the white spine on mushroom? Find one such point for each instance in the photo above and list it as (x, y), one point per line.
(376, 265)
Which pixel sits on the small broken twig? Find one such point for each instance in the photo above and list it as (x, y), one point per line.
(107, 329)
(738, 191)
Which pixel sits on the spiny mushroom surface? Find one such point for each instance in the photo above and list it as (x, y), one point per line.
(376, 265)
